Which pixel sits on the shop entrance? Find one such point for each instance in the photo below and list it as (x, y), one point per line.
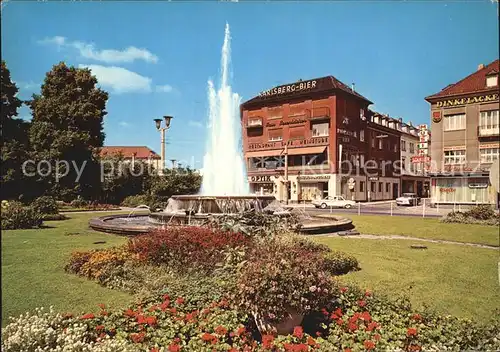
(395, 190)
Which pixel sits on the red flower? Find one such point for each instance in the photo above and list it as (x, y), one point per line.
(318, 333)
(311, 341)
(376, 337)
(368, 293)
(68, 315)
(298, 332)
(129, 313)
(233, 350)
(151, 321)
(137, 338)
(411, 332)
(221, 330)
(267, 341)
(102, 306)
(343, 289)
(340, 322)
(141, 319)
(88, 316)
(174, 348)
(104, 313)
(366, 316)
(361, 303)
(325, 312)
(369, 345)
(166, 297)
(416, 317)
(164, 305)
(99, 327)
(207, 337)
(353, 326)
(179, 301)
(241, 330)
(347, 350)
(372, 326)
(154, 349)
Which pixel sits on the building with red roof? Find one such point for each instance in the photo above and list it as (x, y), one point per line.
(142, 153)
(465, 137)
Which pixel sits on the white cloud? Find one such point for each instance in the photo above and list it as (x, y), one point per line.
(119, 79)
(196, 124)
(29, 85)
(124, 124)
(164, 88)
(89, 51)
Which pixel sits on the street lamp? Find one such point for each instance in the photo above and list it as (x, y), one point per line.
(162, 131)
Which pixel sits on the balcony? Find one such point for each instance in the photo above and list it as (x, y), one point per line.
(483, 131)
(254, 122)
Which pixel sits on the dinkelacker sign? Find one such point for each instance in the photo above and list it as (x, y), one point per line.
(464, 101)
(291, 143)
(289, 88)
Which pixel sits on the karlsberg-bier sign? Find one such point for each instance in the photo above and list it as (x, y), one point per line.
(464, 101)
(289, 88)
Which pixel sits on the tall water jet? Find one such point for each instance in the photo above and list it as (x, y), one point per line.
(224, 171)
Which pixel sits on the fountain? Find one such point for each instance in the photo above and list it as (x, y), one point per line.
(225, 188)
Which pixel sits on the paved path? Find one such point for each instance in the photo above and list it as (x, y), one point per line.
(397, 237)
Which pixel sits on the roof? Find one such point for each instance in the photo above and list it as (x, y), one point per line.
(323, 84)
(473, 83)
(141, 152)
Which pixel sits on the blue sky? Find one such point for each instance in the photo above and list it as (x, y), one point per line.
(155, 57)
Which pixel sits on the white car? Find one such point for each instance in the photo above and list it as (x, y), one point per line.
(408, 199)
(333, 202)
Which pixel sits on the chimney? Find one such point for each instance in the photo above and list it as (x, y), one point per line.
(480, 67)
(352, 87)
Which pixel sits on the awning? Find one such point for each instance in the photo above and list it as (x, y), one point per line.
(262, 153)
(307, 150)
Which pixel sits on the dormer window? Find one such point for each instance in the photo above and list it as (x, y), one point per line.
(492, 80)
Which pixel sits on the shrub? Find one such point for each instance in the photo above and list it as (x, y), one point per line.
(134, 201)
(16, 216)
(185, 248)
(481, 212)
(274, 285)
(79, 202)
(54, 217)
(339, 263)
(97, 264)
(45, 205)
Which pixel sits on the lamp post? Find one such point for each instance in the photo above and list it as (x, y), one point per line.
(163, 131)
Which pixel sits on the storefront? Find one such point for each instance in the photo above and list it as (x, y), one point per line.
(262, 185)
(311, 187)
(462, 190)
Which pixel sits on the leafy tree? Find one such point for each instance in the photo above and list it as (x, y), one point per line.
(14, 149)
(175, 181)
(68, 125)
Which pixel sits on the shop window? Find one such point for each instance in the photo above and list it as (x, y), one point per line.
(454, 122)
(362, 186)
(372, 187)
(387, 187)
(380, 187)
(489, 155)
(320, 129)
(308, 159)
(454, 157)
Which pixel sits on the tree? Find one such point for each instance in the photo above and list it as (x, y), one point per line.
(15, 144)
(68, 126)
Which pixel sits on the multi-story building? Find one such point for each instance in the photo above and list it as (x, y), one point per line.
(296, 135)
(465, 138)
(130, 153)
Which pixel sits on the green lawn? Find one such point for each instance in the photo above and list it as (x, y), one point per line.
(33, 274)
(423, 228)
(454, 279)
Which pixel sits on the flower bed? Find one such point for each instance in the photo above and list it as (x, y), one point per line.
(481, 214)
(210, 290)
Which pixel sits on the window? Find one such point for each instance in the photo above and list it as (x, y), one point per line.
(380, 143)
(380, 187)
(387, 187)
(362, 114)
(454, 122)
(454, 157)
(395, 147)
(373, 186)
(362, 135)
(320, 129)
(403, 146)
(489, 155)
(362, 156)
(362, 186)
(275, 135)
(373, 142)
(403, 163)
(489, 120)
(492, 81)
(412, 147)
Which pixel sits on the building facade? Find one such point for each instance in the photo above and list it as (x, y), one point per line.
(296, 135)
(131, 153)
(465, 138)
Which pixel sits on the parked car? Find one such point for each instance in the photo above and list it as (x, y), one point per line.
(333, 202)
(410, 199)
